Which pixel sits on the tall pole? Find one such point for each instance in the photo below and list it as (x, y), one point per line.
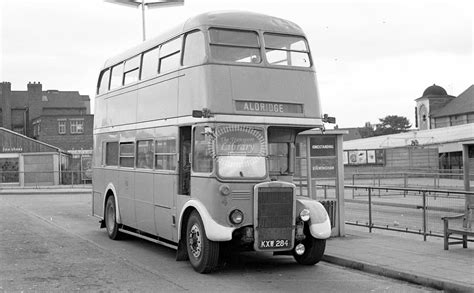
(143, 19)
(149, 3)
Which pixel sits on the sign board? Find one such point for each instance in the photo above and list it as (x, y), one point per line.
(323, 167)
(322, 146)
(323, 156)
(257, 107)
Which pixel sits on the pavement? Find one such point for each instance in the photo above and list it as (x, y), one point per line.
(390, 254)
(405, 257)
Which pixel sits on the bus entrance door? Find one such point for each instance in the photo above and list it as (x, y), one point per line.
(184, 160)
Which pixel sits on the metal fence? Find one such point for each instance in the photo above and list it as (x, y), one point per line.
(410, 210)
(446, 180)
(44, 178)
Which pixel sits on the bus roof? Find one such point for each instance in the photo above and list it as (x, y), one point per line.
(229, 19)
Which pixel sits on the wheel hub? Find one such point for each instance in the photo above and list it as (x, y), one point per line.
(110, 219)
(195, 241)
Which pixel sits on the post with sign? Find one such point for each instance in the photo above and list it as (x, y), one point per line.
(320, 160)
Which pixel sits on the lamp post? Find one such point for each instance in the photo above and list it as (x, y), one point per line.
(150, 4)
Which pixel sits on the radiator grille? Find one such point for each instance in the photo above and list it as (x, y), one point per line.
(275, 218)
(275, 207)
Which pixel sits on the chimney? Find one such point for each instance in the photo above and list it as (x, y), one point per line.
(35, 90)
(5, 104)
(34, 105)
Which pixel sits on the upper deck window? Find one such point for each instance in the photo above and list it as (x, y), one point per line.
(131, 70)
(170, 56)
(150, 63)
(286, 50)
(234, 46)
(117, 76)
(194, 49)
(103, 82)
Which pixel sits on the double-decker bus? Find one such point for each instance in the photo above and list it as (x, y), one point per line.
(194, 140)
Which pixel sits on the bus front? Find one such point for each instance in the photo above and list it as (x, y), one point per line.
(260, 93)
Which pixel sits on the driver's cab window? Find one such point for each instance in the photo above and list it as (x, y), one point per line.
(278, 158)
(202, 159)
(281, 151)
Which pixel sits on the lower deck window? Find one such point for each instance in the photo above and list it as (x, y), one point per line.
(127, 157)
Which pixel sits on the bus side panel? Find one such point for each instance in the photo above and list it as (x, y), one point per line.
(310, 91)
(220, 91)
(206, 190)
(126, 197)
(120, 100)
(192, 90)
(97, 180)
(158, 98)
(144, 208)
(98, 192)
(164, 192)
(100, 112)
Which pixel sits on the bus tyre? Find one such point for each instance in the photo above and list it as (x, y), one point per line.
(110, 219)
(203, 253)
(314, 251)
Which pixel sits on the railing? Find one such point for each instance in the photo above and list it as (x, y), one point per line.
(435, 180)
(410, 210)
(44, 178)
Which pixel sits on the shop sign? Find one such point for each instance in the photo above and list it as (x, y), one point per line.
(12, 149)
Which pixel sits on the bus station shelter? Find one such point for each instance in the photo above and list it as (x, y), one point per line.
(320, 172)
(27, 162)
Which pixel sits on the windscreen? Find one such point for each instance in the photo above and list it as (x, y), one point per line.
(240, 151)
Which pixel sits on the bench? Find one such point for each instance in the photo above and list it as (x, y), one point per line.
(464, 231)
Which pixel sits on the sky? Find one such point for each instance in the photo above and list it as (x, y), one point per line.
(372, 58)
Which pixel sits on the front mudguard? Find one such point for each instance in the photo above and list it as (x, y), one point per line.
(319, 222)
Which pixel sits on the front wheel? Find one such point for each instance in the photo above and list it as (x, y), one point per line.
(314, 251)
(110, 219)
(203, 253)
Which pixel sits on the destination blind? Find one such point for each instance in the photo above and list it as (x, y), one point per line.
(268, 107)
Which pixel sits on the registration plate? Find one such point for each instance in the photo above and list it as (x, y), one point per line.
(279, 243)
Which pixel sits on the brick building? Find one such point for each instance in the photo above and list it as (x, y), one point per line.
(59, 118)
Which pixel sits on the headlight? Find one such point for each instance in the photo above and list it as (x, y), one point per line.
(304, 215)
(236, 217)
(299, 249)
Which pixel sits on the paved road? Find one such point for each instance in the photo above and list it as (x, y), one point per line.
(51, 243)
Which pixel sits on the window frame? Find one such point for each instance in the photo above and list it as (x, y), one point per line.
(74, 122)
(257, 47)
(118, 65)
(136, 67)
(288, 51)
(183, 50)
(173, 154)
(130, 155)
(137, 154)
(178, 52)
(142, 66)
(59, 126)
(105, 152)
(101, 90)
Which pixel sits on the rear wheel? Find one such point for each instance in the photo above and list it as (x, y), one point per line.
(110, 219)
(203, 253)
(314, 251)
